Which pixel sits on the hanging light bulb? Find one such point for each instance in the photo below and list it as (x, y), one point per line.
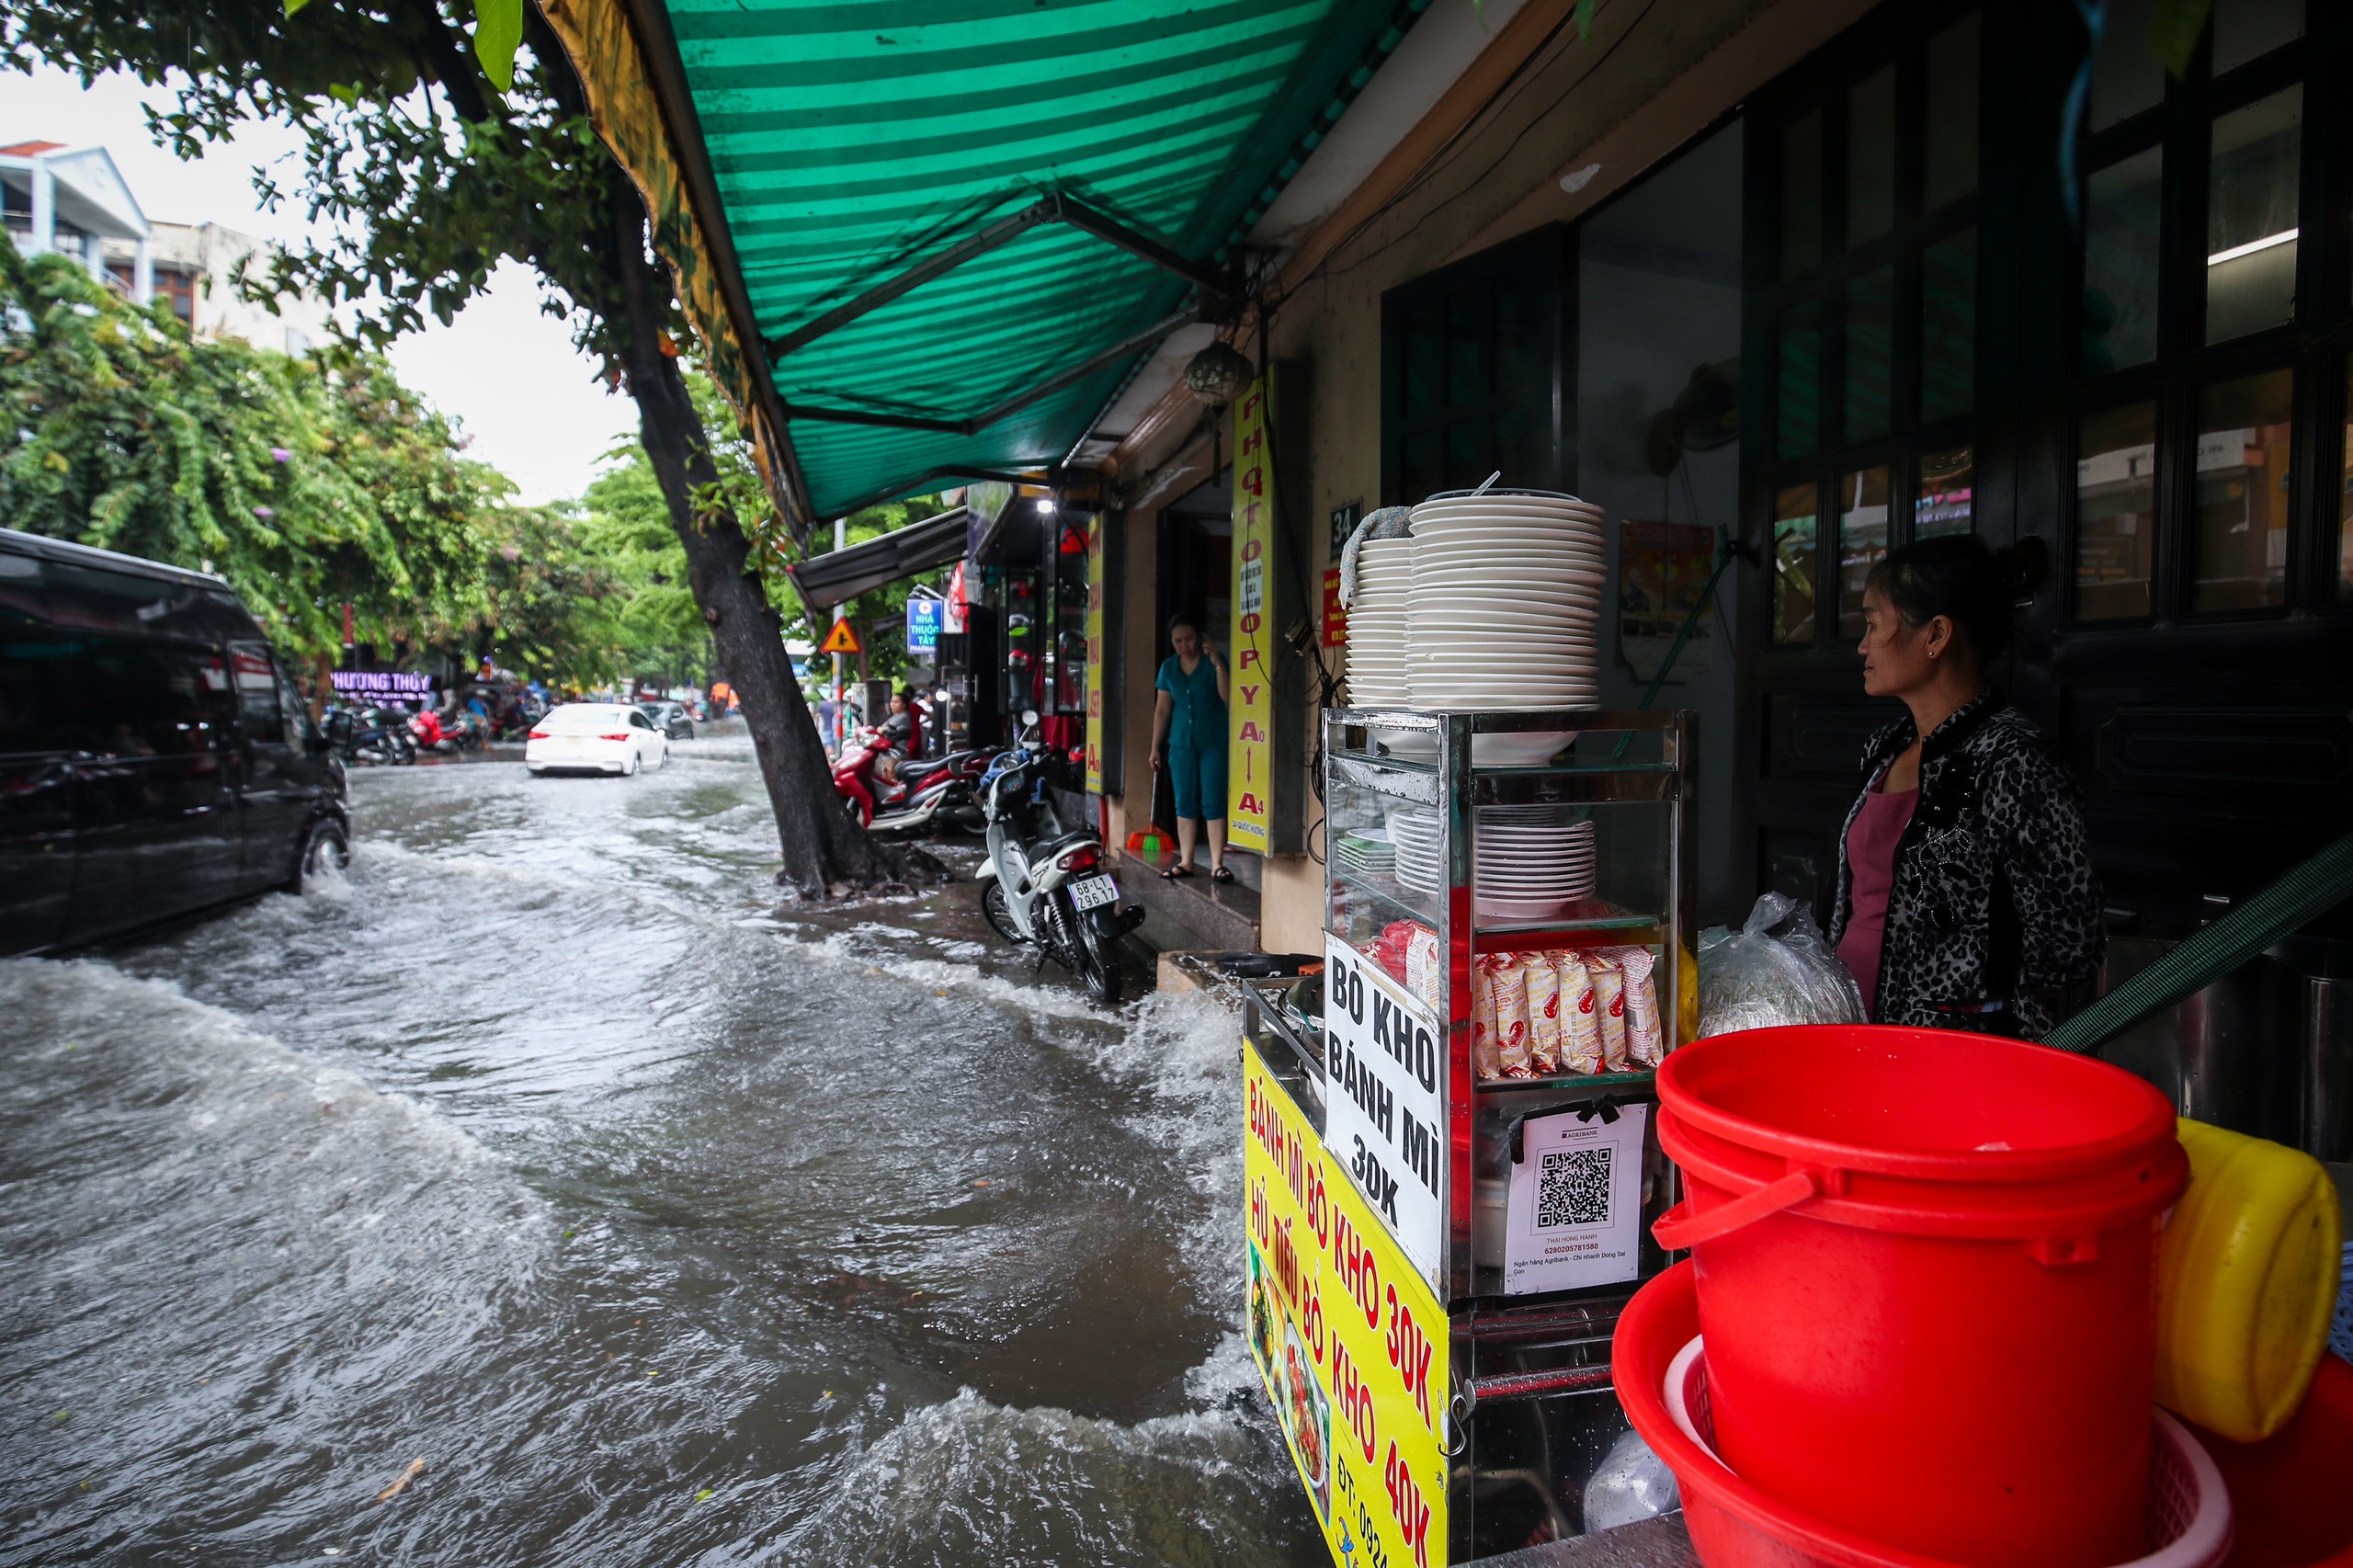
(1218, 374)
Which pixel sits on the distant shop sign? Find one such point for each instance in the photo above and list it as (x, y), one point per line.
(382, 686)
(926, 618)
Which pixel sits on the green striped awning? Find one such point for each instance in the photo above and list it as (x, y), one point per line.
(1053, 182)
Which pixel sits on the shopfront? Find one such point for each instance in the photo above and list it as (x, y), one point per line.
(1816, 292)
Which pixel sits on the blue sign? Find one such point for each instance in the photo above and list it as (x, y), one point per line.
(924, 620)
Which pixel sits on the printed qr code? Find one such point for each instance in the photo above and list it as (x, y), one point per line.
(1572, 1188)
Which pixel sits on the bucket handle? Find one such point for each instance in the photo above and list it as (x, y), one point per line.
(1678, 1228)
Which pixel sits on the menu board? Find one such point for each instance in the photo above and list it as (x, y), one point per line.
(1351, 1345)
(1384, 1122)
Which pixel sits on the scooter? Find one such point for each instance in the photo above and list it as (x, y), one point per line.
(1043, 887)
(370, 735)
(465, 735)
(924, 795)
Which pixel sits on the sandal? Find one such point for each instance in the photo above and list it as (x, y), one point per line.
(1176, 873)
(1220, 874)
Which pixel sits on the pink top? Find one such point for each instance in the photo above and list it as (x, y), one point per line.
(1871, 863)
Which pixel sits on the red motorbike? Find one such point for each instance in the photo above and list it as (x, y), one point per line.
(921, 795)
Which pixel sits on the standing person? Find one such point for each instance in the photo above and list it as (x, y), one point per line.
(1188, 737)
(1966, 898)
(827, 709)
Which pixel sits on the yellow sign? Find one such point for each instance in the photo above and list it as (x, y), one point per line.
(1250, 754)
(1095, 527)
(1350, 1341)
(840, 640)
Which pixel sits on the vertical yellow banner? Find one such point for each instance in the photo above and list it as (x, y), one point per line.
(1095, 655)
(1249, 767)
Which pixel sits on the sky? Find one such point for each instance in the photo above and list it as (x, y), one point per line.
(507, 373)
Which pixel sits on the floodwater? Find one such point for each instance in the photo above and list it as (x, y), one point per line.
(663, 1222)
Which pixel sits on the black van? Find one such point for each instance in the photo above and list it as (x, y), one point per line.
(154, 759)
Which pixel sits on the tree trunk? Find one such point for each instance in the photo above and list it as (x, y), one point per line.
(824, 849)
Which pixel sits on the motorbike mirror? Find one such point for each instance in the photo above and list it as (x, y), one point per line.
(1028, 717)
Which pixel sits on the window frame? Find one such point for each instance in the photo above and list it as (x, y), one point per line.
(1904, 44)
(2312, 345)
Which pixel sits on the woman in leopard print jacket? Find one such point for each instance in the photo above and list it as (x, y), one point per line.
(1966, 897)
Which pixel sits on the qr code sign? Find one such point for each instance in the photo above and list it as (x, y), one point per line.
(1572, 1188)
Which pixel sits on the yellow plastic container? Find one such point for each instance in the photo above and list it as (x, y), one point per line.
(2246, 1282)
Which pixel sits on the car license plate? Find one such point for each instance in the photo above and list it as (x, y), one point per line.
(1093, 892)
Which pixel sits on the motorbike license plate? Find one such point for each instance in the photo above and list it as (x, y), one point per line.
(1093, 892)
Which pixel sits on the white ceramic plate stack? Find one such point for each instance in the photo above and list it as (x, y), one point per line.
(1377, 623)
(1504, 607)
(1365, 849)
(1529, 862)
(1414, 833)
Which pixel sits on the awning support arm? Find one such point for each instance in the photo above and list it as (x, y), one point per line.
(1216, 287)
(1011, 406)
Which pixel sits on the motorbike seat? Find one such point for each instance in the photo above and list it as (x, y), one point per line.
(1054, 847)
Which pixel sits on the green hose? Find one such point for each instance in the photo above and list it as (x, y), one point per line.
(2312, 889)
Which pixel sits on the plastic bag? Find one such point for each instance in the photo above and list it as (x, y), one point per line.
(1633, 1484)
(1751, 978)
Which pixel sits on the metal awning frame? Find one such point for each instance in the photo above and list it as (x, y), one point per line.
(1218, 285)
(1019, 400)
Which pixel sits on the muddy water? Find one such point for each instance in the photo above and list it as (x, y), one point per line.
(665, 1223)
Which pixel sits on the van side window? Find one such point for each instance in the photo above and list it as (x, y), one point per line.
(258, 708)
(151, 698)
(44, 690)
(21, 589)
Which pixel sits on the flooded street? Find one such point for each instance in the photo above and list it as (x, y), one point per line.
(663, 1223)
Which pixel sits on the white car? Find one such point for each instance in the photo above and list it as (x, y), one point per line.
(595, 737)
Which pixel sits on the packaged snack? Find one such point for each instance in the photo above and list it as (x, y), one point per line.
(1424, 970)
(1486, 1059)
(1581, 1042)
(1513, 1041)
(1645, 1041)
(1609, 1007)
(1544, 1021)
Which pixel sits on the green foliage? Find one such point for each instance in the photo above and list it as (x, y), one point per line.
(306, 481)
(498, 33)
(310, 482)
(648, 612)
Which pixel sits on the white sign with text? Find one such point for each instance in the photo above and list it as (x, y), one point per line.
(1384, 1060)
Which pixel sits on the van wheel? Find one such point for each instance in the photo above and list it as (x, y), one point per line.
(323, 846)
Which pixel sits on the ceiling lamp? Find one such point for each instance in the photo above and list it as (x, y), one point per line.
(1218, 374)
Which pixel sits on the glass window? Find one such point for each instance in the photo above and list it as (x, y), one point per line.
(2127, 77)
(2251, 216)
(1862, 541)
(1871, 350)
(2244, 458)
(2121, 211)
(1951, 152)
(258, 693)
(1466, 348)
(1797, 561)
(1947, 503)
(1801, 195)
(2344, 499)
(1949, 326)
(1870, 156)
(2115, 512)
(2247, 28)
(1801, 387)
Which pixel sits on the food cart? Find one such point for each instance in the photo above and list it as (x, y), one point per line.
(1450, 1165)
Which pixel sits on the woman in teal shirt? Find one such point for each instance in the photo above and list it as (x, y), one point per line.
(1188, 739)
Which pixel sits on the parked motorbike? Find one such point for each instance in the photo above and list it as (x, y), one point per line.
(462, 733)
(1044, 887)
(371, 737)
(923, 794)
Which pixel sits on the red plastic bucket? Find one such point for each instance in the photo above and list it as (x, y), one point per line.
(1891, 1223)
(1732, 1524)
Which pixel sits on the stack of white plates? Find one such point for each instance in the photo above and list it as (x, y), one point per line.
(1377, 623)
(1504, 607)
(1528, 862)
(1414, 833)
(1365, 849)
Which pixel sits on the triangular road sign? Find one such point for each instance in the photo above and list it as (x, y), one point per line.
(840, 640)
